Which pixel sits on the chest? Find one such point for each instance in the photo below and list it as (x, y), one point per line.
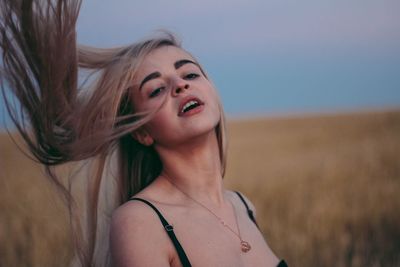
(207, 242)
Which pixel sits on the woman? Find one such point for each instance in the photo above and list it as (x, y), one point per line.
(153, 103)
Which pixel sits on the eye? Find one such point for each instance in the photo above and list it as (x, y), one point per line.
(191, 76)
(156, 92)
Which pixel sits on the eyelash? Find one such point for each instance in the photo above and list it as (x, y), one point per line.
(157, 91)
(191, 76)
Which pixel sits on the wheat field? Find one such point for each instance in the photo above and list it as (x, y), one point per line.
(326, 189)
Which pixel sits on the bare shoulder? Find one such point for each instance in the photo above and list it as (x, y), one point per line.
(135, 234)
(248, 202)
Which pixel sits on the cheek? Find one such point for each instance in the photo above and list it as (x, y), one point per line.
(214, 101)
(143, 104)
(159, 125)
(137, 102)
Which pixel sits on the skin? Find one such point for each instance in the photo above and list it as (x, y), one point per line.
(189, 152)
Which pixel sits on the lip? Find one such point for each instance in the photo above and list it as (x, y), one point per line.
(192, 111)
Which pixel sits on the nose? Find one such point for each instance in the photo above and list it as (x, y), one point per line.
(180, 86)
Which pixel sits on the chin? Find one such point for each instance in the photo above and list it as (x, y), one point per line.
(191, 134)
(206, 130)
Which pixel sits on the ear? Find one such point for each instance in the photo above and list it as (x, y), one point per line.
(143, 137)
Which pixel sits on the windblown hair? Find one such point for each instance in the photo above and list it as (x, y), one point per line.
(61, 120)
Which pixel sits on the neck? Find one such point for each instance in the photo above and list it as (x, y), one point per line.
(195, 169)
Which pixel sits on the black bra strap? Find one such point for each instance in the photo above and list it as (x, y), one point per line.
(170, 231)
(282, 263)
(249, 211)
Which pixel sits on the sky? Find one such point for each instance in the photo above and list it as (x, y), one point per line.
(270, 57)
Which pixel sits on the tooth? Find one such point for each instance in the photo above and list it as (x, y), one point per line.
(188, 104)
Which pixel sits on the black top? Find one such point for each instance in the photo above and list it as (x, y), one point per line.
(170, 231)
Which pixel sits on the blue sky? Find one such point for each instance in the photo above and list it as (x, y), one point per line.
(270, 57)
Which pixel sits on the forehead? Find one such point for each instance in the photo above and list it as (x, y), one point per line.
(161, 58)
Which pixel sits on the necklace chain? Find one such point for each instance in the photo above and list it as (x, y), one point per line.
(245, 245)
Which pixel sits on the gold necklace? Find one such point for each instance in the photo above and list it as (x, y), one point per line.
(244, 245)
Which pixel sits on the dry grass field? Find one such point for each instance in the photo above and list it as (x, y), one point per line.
(326, 189)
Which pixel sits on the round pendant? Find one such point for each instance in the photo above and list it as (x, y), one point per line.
(245, 246)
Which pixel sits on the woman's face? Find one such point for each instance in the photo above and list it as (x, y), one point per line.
(191, 106)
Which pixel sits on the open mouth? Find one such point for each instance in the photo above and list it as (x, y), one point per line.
(189, 105)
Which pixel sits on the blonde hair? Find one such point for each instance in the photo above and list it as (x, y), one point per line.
(62, 121)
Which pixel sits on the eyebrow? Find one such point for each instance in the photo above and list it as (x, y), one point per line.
(182, 62)
(149, 77)
(155, 75)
